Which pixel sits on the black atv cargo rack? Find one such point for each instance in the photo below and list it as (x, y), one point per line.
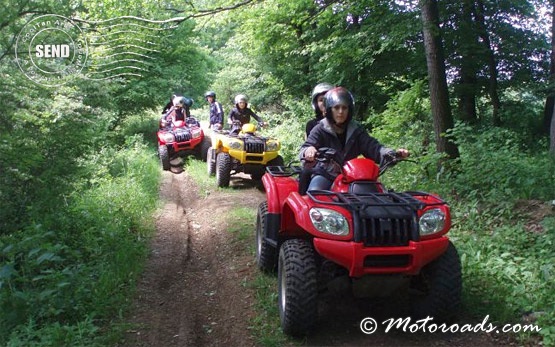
(379, 219)
(284, 171)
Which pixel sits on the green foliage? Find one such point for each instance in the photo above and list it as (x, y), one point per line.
(266, 324)
(406, 122)
(289, 127)
(495, 158)
(76, 264)
(508, 270)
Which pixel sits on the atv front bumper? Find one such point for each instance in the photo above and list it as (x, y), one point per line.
(186, 145)
(361, 260)
(253, 158)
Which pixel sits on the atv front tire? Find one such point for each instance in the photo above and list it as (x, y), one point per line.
(266, 254)
(223, 169)
(277, 161)
(257, 175)
(437, 291)
(164, 157)
(297, 287)
(210, 162)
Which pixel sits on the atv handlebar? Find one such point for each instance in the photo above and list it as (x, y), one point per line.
(391, 159)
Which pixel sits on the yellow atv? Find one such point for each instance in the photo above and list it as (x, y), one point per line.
(241, 151)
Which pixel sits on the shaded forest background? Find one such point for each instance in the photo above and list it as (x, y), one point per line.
(468, 86)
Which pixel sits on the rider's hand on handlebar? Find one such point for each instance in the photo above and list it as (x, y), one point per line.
(402, 153)
(310, 153)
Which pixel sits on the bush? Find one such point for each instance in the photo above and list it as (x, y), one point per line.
(71, 271)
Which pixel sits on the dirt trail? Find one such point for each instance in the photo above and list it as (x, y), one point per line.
(192, 292)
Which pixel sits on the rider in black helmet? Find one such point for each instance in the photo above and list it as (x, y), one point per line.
(339, 131)
(216, 111)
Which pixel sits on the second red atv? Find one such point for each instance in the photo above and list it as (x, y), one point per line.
(181, 138)
(376, 240)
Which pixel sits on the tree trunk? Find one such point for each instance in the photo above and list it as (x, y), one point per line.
(550, 101)
(492, 64)
(439, 94)
(467, 87)
(552, 146)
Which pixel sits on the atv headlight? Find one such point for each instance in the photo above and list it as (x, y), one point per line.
(195, 133)
(329, 221)
(272, 146)
(167, 137)
(431, 221)
(236, 145)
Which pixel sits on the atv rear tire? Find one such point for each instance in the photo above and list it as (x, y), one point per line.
(297, 287)
(438, 288)
(223, 169)
(210, 162)
(164, 157)
(204, 146)
(266, 254)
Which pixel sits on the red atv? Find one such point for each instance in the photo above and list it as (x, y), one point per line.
(375, 241)
(181, 138)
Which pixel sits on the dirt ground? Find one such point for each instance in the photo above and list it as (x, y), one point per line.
(193, 292)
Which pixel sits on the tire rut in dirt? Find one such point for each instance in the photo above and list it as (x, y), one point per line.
(191, 293)
(162, 312)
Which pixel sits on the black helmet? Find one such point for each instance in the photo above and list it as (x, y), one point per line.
(338, 96)
(210, 93)
(320, 88)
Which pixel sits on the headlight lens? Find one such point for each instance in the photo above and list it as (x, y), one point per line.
(329, 221)
(432, 221)
(236, 145)
(195, 133)
(167, 137)
(272, 146)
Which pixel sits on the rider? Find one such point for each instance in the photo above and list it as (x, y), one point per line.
(338, 131)
(178, 112)
(242, 114)
(216, 111)
(317, 105)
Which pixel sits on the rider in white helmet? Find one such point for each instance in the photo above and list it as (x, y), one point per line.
(178, 112)
(317, 105)
(241, 114)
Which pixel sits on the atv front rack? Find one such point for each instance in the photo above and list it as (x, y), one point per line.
(357, 201)
(380, 219)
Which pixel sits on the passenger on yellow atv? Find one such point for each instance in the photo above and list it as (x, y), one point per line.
(241, 114)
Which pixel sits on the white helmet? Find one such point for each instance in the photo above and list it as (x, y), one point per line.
(182, 101)
(240, 98)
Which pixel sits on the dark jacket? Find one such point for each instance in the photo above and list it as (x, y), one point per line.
(216, 113)
(244, 115)
(357, 142)
(311, 124)
(175, 114)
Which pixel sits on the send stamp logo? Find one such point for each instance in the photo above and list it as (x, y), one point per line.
(49, 48)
